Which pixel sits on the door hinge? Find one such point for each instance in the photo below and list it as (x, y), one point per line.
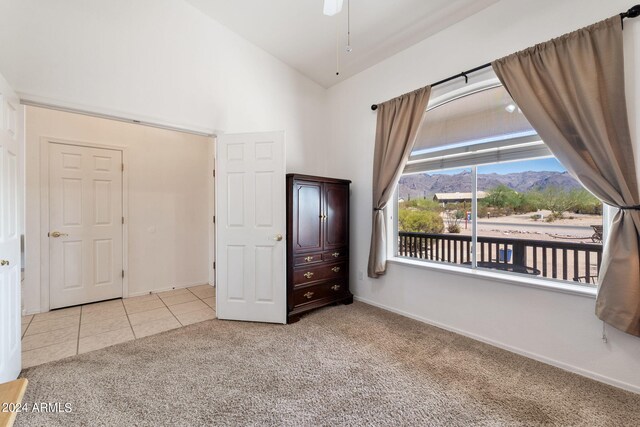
(214, 173)
(214, 219)
(214, 265)
(123, 220)
(123, 274)
(122, 167)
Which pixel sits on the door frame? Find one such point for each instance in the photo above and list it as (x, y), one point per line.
(44, 213)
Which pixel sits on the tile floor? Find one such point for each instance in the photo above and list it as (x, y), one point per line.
(74, 330)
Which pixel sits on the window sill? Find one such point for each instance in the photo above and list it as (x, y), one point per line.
(510, 278)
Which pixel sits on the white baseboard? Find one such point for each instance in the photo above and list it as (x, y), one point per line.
(169, 288)
(530, 355)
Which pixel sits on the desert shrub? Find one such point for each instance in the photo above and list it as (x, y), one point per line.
(585, 202)
(420, 221)
(483, 210)
(421, 204)
(453, 228)
(452, 219)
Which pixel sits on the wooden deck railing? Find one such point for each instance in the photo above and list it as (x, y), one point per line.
(579, 262)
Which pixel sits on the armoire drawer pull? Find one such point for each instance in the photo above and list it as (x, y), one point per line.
(335, 287)
(308, 295)
(335, 254)
(308, 275)
(308, 259)
(335, 269)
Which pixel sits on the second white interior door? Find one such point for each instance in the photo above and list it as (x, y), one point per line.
(85, 224)
(251, 223)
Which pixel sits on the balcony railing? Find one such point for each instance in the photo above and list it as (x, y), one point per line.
(579, 262)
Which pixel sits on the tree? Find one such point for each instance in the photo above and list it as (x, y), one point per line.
(558, 201)
(502, 197)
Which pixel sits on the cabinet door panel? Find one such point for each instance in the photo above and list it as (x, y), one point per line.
(307, 216)
(337, 211)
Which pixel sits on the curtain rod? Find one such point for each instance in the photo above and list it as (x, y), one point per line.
(631, 13)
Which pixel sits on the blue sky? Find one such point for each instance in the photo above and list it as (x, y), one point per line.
(547, 164)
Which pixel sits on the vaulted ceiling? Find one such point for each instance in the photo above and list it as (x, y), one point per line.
(297, 32)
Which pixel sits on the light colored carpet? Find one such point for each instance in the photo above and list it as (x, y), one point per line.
(344, 365)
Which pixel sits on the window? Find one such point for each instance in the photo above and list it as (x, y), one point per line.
(482, 191)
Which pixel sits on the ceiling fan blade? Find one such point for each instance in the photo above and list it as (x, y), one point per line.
(332, 7)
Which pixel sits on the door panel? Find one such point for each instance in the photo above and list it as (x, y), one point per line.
(85, 206)
(11, 134)
(250, 201)
(307, 217)
(337, 222)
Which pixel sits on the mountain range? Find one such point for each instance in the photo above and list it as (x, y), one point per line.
(426, 185)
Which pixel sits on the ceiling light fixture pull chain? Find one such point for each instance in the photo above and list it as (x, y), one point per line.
(337, 48)
(349, 49)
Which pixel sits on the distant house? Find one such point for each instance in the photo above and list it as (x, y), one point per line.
(444, 198)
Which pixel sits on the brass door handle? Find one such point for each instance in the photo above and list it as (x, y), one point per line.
(308, 259)
(308, 295)
(335, 254)
(335, 269)
(4, 262)
(278, 238)
(308, 275)
(57, 234)
(335, 287)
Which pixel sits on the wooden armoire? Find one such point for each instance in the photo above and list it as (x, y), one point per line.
(317, 243)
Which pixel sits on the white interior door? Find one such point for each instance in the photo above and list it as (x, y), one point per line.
(250, 227)
(11, 131)
(85, 224)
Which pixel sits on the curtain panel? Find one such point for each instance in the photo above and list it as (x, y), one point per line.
(572, 91)
(396, 130)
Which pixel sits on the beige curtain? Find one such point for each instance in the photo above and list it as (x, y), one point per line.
(398, 123)
(572, 91)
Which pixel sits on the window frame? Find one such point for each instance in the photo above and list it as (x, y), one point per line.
(391, 216)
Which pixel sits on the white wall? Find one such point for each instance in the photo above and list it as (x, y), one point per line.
(155, 60)
(168, 217)
(559, 328)
(162, 60)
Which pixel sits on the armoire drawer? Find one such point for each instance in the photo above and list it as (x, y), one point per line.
(307, 259)
(332, 289)
(325, 271)
(336, 255)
